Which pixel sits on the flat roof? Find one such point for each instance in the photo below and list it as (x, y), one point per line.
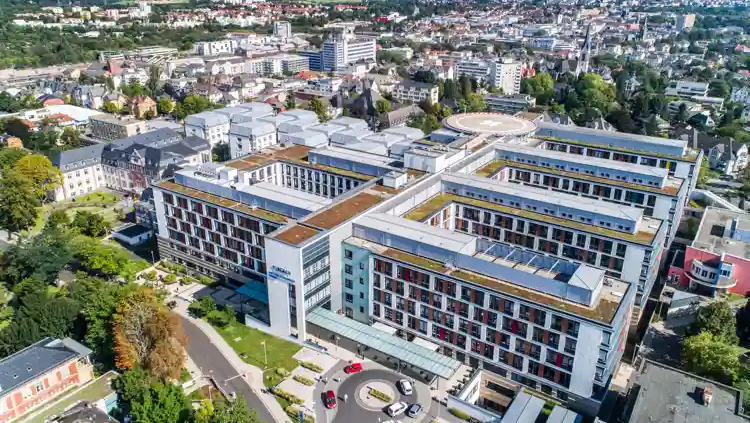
(369, 336)
(666, 395)
(671, 186)
(289, 196)
(710, 236)
(644, 235)
(490, 123)
(267, 156)
(603, 208)
(223, 202)
(296, 234)
(603, 310)
(691, 156)
(344, 210)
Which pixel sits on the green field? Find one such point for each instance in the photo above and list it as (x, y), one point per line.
(246, 342)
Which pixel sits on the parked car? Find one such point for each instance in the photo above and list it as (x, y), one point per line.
(330, 399)
(405, 387)
(396, 409)
(414, 409)
(353, 368)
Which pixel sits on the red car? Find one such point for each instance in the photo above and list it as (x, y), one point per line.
(330, 399)
(353, 368)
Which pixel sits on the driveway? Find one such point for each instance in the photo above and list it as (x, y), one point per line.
(212, 363)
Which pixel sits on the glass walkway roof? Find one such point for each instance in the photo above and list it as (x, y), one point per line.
(369, 336)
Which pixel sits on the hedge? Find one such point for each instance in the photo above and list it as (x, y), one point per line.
(460, 414)
(294, 414)
(303, 380)
(290, 398)
(311, 366)
(382, 396)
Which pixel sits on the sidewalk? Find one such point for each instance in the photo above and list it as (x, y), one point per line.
(253, 375)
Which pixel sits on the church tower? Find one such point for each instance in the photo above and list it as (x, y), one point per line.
(585, 55)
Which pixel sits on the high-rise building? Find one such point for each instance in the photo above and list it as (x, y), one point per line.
(282, 29)
(504, 249)
(343, 48)
(685, 21)
(506, 75)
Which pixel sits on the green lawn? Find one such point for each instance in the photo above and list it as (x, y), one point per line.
(246, 342)
(85, 202)
(94, 391)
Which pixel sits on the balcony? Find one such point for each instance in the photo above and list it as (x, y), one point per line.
(695, 274)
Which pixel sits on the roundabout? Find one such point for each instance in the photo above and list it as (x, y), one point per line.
(490, 123)
(361, 407)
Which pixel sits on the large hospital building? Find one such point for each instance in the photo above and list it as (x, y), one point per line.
(519, 246)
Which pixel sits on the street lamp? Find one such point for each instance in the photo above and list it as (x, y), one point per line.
(265, 353)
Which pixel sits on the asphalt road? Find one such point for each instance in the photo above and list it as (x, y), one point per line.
(210, 360)
(350, 411)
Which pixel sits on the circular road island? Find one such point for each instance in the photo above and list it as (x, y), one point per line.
(491, 124)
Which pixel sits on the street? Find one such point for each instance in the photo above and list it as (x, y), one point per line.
(212, 363)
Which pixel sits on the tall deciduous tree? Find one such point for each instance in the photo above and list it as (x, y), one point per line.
(291, 102)
(710, 356)
(148, 335)
(320, 109)
(90, 224)
(111, 107)
(164, 105)
(717, 319)
(10, 156)
(70, 138)
(44, 177)
(18, 202)
(41, 257)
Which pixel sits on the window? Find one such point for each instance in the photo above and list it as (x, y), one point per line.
(348, 283)
(349, 298)
(348, 254)
(361, 295)
(348, 269)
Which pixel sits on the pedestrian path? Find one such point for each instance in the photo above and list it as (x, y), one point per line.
(251, 374)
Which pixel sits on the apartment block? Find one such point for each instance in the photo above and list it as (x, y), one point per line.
(211, 126)
(687, 89)
(82, 171)
(345, 48)
(214, 48)
(474, 68)
(282, 29)
(510, 104)
(107, 127)
(416, 92)
(506, 75)
(492, 250)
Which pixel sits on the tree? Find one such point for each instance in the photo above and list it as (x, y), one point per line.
(193, 104)
(43, 176)
(58, 219)
(681, 115)
(44, 141)
(291, 102)
(709, 356)
(111, 107)
(476, 103)
(70, 138)
(90, 224)
(164, 105)
(106, 260)
(154, 78)
(427, 123)
(10, 156)
(148, 335)
(40, 257)
(109, 83)
(147, 400)
(6, 311)
(718, 320)
(317, 106)
(8, 103)
(383, 106)
(236, 412)
(743, 321)
(18, 202)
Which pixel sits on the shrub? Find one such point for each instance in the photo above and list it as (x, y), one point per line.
(303, 380)
(460, 414)
(311, 366)
(205, 280)
(382, 396)
(202, 307)
(293, 413)
(170, 279)
(282, 372)
(150, 276)
(222, 317)
(290, 398)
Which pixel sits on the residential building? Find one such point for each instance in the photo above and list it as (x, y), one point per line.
(474, 68)
(506, 76)
(131, 164)
(41, 373)
(108, 127)
(213, 48)
(718, 259)
(687, 89)
(285, 64)
(685, 21)
(81, 169)
(142, 106)
(416, 92)
(282, 29)
(211, 126)
(248, 137)
(724, 154)
(510, 104)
